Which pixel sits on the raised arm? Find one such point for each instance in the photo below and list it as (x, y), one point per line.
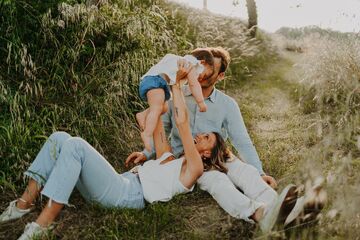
(161, 143)
(194, 166)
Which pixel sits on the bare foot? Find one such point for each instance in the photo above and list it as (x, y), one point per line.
(140, 118)
(258, 214)
(202, 106)
(147, 141)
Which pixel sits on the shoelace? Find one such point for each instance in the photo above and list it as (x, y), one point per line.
(12, 206)
(9, 209)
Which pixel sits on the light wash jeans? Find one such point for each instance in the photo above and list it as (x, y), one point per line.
(65, 162)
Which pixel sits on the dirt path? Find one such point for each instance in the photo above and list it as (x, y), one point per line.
(273, 117)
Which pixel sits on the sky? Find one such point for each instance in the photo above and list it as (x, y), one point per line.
(340, 15)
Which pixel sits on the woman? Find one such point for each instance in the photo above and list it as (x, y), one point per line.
(65, 162)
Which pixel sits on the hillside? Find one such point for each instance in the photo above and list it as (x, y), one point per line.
(75, 66)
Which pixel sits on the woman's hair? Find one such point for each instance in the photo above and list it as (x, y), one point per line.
(203, 54)
(219, 155)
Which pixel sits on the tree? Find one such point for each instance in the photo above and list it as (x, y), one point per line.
(205, 4)
(252, 15)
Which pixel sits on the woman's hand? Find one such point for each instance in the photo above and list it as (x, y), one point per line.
(184, 68)
(135, 157)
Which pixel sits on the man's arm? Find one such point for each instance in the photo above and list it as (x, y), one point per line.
(240, 138)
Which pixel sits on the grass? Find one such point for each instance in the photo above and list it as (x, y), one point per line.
(75, 67)
(273, 118)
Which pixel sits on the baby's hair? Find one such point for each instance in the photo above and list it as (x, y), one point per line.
(203, 54)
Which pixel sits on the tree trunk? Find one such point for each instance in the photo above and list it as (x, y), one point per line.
(205, 5)
(252, 15)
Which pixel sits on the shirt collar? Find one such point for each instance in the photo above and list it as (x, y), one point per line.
(212, 97)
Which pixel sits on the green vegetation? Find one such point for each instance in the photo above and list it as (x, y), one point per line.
(329, 96)
(74, 66)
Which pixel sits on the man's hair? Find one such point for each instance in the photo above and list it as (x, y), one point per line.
(203, 54)
(224, 55)
(219, 155)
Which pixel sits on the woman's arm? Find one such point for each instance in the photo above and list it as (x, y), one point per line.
(194, 165)
(160, 141)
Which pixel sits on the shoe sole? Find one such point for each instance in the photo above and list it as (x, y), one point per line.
(271, 219)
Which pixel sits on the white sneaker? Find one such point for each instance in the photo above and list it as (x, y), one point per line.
(299, 207)
(269, 220)
(34, 230)
(12, 212)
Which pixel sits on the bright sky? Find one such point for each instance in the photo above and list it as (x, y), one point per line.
(340, 15)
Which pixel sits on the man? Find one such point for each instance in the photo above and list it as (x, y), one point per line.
(223, 115)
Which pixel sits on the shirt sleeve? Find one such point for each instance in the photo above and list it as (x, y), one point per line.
(239, 136)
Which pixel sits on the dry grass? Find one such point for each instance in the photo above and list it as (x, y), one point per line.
(329, 95)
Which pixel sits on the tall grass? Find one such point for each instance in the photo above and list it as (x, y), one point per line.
(331, 95)
(207, 29)
(75, 66)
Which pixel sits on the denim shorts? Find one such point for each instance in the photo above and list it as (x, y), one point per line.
(153, 82)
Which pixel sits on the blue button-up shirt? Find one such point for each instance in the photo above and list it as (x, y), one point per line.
(223, 116)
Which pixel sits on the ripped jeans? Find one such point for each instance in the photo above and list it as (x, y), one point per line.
(65, 162)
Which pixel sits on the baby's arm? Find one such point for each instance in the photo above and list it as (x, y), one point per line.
(195, 89)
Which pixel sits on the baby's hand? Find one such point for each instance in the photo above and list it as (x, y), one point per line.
(184, 68)
(202, 106)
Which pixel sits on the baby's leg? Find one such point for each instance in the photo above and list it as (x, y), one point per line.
(196, 91)
(141, 117)
(156, 99)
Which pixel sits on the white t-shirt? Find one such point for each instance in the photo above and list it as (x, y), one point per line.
(160, 182)
(168, 66)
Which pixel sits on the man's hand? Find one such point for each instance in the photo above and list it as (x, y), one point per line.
(270, 180)
(135, 157)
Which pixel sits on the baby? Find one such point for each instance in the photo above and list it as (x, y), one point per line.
(155, 90)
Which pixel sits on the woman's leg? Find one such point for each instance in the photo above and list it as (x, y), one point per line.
(81, 165)
(41, 168)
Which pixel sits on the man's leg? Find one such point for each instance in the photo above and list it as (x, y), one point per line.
(247, 178)
(227, 195)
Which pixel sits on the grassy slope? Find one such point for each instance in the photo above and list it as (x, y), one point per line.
(276, 125)
(280, 131)
(192, 216)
